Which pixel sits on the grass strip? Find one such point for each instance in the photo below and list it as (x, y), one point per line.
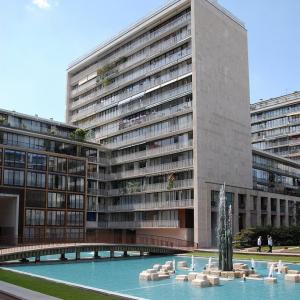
(50, 288)
(256, 256)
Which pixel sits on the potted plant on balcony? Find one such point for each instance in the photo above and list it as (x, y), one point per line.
(170, 181)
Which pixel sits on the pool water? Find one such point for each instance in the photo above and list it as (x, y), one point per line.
(122, 276)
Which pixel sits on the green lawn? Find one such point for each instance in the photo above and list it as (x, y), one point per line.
(254, 255)
(51, 288)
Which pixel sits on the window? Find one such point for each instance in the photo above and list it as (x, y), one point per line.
(36, 161)
(36, 179)
(56, 200)
(35, 217)
(74, 218)
(57, 164)
(35, 198)
(75, 184)
(56, 182)
(75, 201)
(56, 218)
(76, 167)
(14, 159)
(13, 177)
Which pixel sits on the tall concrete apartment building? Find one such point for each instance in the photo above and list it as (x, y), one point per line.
(169, 98)
(275, 125)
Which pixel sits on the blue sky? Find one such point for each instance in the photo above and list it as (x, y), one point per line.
(39, 38)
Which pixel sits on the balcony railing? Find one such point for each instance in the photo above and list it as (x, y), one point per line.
(148, 205)
(137, 45)
(178, 184)
(129, 108)
(151, 152)
(139, 224)
(140, 89)
(153, 116)
(97, 192)
(149, 135)
(125, 79)
(187, 163)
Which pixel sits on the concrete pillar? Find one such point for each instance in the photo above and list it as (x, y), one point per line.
(111, 254)
(125, 254)
(294, 213)
(277, 213)
(63, 256)
(248, 210)
(269, 211)
(77, 255)
(37, 259)
(96, 255)
(235, 213)
(286, 216)
(258, 211)
(141, 253)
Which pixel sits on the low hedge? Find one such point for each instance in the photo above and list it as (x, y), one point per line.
(283, 236)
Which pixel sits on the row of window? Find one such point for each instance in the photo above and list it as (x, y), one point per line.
(54, 218)
(17, 159)
(38, 180)
(24, 141)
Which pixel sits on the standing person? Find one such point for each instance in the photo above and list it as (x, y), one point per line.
(270, 243)
(259, 242)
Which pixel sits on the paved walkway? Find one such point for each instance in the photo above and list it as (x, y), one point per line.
(10, 291)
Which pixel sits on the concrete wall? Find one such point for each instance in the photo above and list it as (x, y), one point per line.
(222, 142)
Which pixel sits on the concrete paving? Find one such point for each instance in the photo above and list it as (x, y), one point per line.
(10, 291)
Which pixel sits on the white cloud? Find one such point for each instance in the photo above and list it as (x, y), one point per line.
(42, 4)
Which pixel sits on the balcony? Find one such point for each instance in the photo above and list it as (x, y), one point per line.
(154, 134)
(133, 75)
(139, 224)
(139, 44)
(97, 192)
(99, 176)
(155, 187)
(153, 117)
(151, 152)
(148, 205)
(176, 75)
(129, 107)
(167, 167)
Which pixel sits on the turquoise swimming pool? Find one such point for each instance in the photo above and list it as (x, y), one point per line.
(122, 276)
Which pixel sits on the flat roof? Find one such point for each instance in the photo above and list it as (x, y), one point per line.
(138, 27)
(275, 102)
(37, 118)
(276, 157)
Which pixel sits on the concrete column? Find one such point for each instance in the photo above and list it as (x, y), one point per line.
(269, 211)
(63, 256)
(111, 254)
(77, 255)
(96, 254)
(235, 213)
(141, 253)
(125, 254)
(258, 211)
(277, 213)
(286, 216)
(248, 211)
(294, 213)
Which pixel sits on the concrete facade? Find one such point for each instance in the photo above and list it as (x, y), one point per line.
(168, 158)
(275, 125)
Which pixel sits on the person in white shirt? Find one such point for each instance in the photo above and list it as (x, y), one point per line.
(259, 242)
(270, 243)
